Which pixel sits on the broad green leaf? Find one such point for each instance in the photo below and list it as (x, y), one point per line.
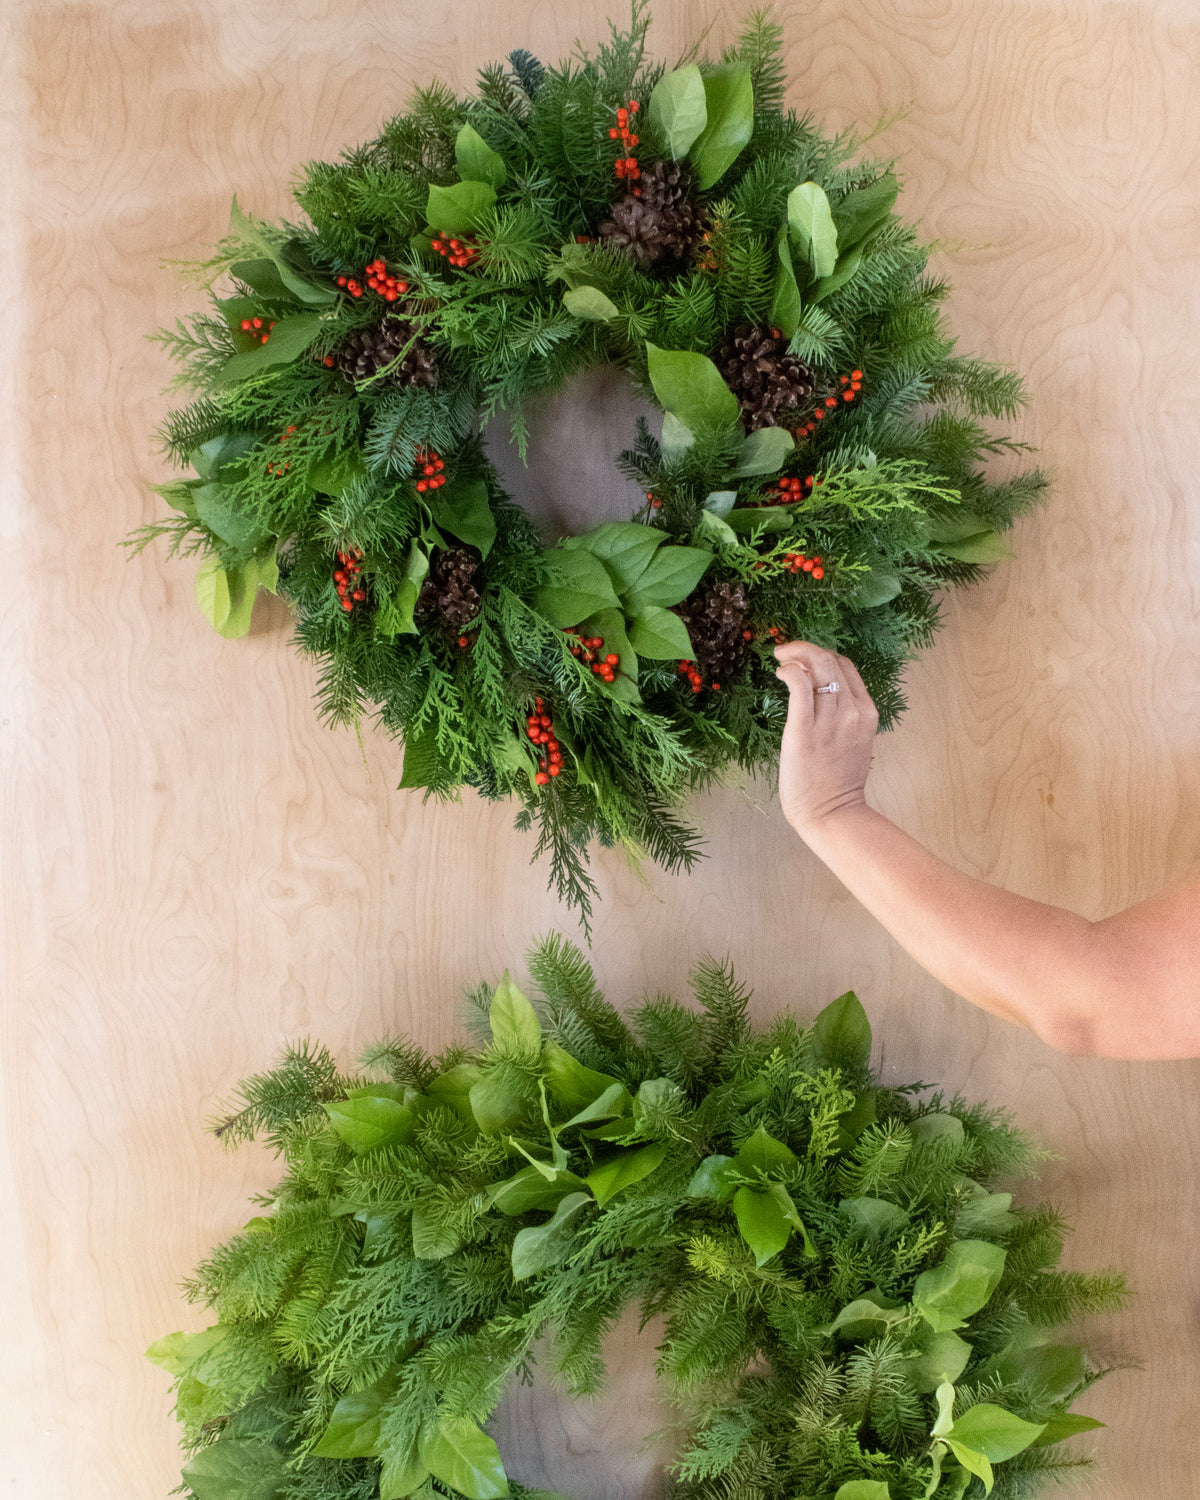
(944, 1396)
(874, 1215)
(690, 385)
(960, 524)
(762, 1153)
(729, 107)
(711, 1179)
(986, 1213)
(544, 1245)
(792, 1215)
(985, 547)
(613, 1102)
(222, 513)
(568, 1082)
(787, 305)
(401, 1474)
(864, 1318)
(476, 161)
(211, 459)
(717, 532)
(369, 1118)
(656, 633)
(763, 452)
(516, 1030)
(452, 1089)
(842, 1034)
(657, 1095)
(624, 547)
(678, 109)
(395, 615)
(177, 1351)
(811, 223)
(590, 304)
(950, 1293)
(432, 1240)
(288, 340)
(577, 584)
(337, 472)
(614, 1176)
(672, 575)
(994, 1432)
(459, 207)
(676, 437)
(864, 210)
(761, 1222)
(612, 1130)
(938, 1129)
(877, 587)
(261, 276)
(1066, 1424)
(529, 1190)
(235, 1469)
(846, 270)
(465, 511)
(720, 502)
(459, 1453)
(857, 1118)
(1056, 1369)
(976, 1462)
(353, 1430)
(942, 1359)
(421, 759)
(300, 278)
(212, 592)
(267, 564)
(496, 1105)
(765, 518)
(864, 1489)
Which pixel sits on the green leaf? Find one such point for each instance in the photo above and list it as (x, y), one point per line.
(431, 1239)
(985, 547)
(943, 1358)
(719, 533)
(545, 1245)
(976, 1462)
(496, 1105)
(609, 624)
(401, 1474)
(864, 1489)
(296, 274)
(421, 759)
(516, 1030)
(864, 210)
(874, 1215)
(212, 592)
(211, 459)
(763, 452)
(690, 385)
(845, 270)
(177, 1351)
(459, 1453)
(787, 305)
(1056, 1369)
(337, 472)
(660, 635)
(288, 340)
(762, 1153)
(577, 584)
(261, 276)
(763, 518)
(951, 1292)
(672, 575)
(711, 1179)
(353, 1430)
(1066, 1424)
(369, 1118)
(720, 502)
(944, 1396)
(994, 1432)
(568, 1082)
(222, 513)
(842, 1034)
(985, 1213)
(614, 1102)
(395, 615)
(465, 511)
(626, 549)
(811, 223)
(938, 1129)
(621, 1172)
(590, 304)
(676, 438)
(452, 1089)
(476, 161)
(729, 106)
(235, 1469)
(459, 207)
(529, 1190)
(864, 1318)
(791, 1214)
(678, 109)
(877, 587)
(761, 1222)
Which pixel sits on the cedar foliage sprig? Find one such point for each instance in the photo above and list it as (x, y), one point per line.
(838, 1269)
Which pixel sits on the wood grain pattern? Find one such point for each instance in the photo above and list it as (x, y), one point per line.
(194, 870)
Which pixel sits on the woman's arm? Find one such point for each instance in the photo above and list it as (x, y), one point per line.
(1128, 986)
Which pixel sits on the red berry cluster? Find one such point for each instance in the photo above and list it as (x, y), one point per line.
(790, 489)
(655, 502)
(851, 385)
(460, 253)
(797, 562)
(691, 671)
(626, 165)
(590, 651)
(541, 732)
(281, 468)
(429, 470)
(346, 578)
(256, 328)
(775, 633)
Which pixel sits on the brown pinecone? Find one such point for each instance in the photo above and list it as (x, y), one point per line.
(766, 379)
(716, 621)
(366, 352)
(659, 226)
(448, 594)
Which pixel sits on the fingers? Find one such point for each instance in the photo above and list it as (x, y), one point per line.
(853, 684)
(800, 694)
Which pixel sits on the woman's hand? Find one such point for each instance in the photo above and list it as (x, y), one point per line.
(828, 739)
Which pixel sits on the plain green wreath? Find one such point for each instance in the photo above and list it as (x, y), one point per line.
(854, 1307)
(818, 471)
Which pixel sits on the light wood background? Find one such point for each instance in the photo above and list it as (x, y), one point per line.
(194, 870)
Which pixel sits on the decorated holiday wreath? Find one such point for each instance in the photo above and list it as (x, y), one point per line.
(852, 1309)
(818, 470)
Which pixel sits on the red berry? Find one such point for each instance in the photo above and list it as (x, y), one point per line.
(541, 778)
(856, 375)
(818, 573)
(555, 770)
(347, 604)
(612, 659)
(422, 486)
(359, 595)
(462, 640)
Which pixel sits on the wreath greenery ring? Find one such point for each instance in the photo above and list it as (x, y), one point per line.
(818, 471)
(853, 1310)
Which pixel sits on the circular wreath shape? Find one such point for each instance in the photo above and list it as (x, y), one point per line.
(853, 1310)
(818, 472)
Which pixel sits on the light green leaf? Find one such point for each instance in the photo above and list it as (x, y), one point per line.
(678, 109)
(763, 452)
(614, 1102)
(401, 1474)
(994, 1432)
(985, 1213)
(529, 1190)
(476, 161)
(590, 304)
(465, 511)
(812, 227)
(621, 1172)
(764, 518)
(951, 1292)
(985, 547)
(577, 585)
(496, 1105)
(864, 1489)
(235, 1469)
(842, 1034)
(288, 340)
(864, 210)
(944, 1396)
(943, 1358)
(671, 576)
(846, 270)
(720, 502)
(1057, 1369)
(353, 1430)
(676, 438)
(369, 1118)
(877, 587)
(219, 509)
(791, 1214)
(1067, 1424)
(938, 1129)
(762, 1153)
(544, 1245)
(459, 1453)
(729, 106)
(690, 385)
(395, 615)
(516, 1030)
(212, 592)
(718, 532)
(761, 1222)
(421, 759)
(177, 1351)
(431, 1239)
(976, 1462)
(459, 207)
(568, 1082)
(864, 1318)
(300, 278)
(874, 1215)
(268, 570)
(660, 635)
(452, 1089)
(261, 276)
(711, 1179)
(624, 547)
(787, 305)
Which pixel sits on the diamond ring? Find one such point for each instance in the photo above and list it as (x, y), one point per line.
(830, 687)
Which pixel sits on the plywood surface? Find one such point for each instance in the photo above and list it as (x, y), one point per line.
(194, 870)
